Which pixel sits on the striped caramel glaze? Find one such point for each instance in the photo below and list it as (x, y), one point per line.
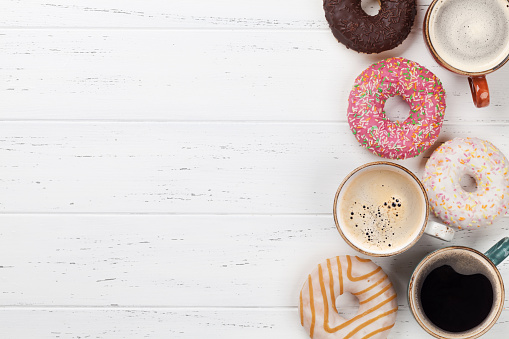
(363, 279)
(442, 180)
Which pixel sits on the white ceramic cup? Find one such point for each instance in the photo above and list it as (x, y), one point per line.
(416, 222)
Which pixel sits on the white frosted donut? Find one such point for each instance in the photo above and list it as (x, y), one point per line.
(362, 278)
(442, 180)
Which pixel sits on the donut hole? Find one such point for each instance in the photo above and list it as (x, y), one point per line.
(371, 7)
(468, 183)
(396, 109)
(347, 305)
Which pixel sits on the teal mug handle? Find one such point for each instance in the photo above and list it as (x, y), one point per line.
(498, 252)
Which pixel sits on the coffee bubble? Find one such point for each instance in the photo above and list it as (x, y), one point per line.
(381, 209)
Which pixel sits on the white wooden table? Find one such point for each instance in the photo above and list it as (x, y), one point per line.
(167, 168)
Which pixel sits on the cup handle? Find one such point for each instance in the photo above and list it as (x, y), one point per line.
(439, 231)
(480, 91)
(499, 251)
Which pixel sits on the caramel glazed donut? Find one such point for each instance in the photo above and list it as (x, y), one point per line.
(363, 279)
(357, 30)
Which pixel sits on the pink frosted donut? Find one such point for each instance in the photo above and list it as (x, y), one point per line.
(442, 179)
(420, 88)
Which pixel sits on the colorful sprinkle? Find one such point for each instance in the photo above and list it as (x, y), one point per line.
(414, 83)
(453, 160)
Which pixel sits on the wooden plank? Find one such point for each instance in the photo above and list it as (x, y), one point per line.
(285, 14)
(181, 323)
(185, 261)
(253, 168)
(99, 74)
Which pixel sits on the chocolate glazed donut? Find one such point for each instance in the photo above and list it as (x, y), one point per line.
(357, 30)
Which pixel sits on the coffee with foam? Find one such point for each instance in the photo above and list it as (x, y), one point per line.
(381, 209)
(470, 35)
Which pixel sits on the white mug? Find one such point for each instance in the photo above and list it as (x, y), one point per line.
(384, 226)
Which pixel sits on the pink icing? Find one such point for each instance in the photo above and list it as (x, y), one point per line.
(420, 88)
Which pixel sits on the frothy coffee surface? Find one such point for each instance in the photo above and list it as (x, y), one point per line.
(381, 210)
(470, 35)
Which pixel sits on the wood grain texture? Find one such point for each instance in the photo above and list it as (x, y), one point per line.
(185, 261)
(136, 75)
(181, 323)
(253, 168)
(167, 168)
(250, 14)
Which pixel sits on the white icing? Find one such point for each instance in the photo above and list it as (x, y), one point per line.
(379, 304)
(442, 180)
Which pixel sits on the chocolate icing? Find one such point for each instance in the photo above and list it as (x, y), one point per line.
(357, 30)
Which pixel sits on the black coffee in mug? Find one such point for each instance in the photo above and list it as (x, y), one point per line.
(456, 302)
(457, 292)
